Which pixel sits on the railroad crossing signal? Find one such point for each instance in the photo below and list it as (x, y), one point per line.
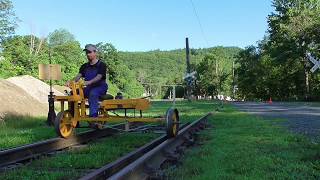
(190, 77)
(315, 61)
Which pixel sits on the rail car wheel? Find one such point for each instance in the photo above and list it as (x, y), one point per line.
(63, 124)
(172, 120)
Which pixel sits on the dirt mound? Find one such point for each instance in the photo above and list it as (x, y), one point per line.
(15, 100)
(34, 87)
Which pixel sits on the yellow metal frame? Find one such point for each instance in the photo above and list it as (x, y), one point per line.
(78, 102)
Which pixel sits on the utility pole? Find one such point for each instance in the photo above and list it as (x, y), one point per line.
(233, 82)
(160, 91)
(216, 67)
(174, 95)
(188, 69)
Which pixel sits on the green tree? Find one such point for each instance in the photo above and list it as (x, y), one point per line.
(8, 19)
(70, 56)
(210, 77)
(119, 74)
(66, 51)
(20, 58)
(109, 54)
(157, 68)
(293, 28)
(60, 37)
(256, 75)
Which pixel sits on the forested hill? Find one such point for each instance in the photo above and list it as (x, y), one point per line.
(129, 72)
(169, 67)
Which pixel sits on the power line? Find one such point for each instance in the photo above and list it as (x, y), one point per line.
(199, 22)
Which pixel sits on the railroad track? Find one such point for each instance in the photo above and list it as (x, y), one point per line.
(145, 162)
(24, 153)
(19, 155)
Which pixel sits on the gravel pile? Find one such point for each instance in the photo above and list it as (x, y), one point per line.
(15, 100)
(34, 87)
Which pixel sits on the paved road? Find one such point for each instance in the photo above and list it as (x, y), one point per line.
(302, 118)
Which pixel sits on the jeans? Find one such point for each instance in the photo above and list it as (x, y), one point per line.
(93, 94)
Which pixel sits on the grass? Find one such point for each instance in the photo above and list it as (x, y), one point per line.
(18, 130)
(242, 146)
(81, 160)
(74, 163)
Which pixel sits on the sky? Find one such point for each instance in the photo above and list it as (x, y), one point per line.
(142, 25)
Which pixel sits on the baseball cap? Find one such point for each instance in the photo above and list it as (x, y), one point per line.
(90, 47)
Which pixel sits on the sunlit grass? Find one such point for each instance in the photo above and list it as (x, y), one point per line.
(19, 130)
(74, 163)
(241, 146)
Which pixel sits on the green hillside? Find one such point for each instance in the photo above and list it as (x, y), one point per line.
(159, 68)
(132, 73)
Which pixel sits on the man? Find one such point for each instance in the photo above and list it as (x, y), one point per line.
(94, 74)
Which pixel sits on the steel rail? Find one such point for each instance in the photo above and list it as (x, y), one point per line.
(30, 151)
(146, 160)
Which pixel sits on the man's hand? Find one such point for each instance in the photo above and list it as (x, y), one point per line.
(76, 79)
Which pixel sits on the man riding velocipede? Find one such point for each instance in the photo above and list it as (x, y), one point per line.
(90, 85)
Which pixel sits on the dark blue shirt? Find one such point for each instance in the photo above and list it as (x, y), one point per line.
(89, 71)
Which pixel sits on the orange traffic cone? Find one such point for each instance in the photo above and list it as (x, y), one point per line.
(270, 101)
